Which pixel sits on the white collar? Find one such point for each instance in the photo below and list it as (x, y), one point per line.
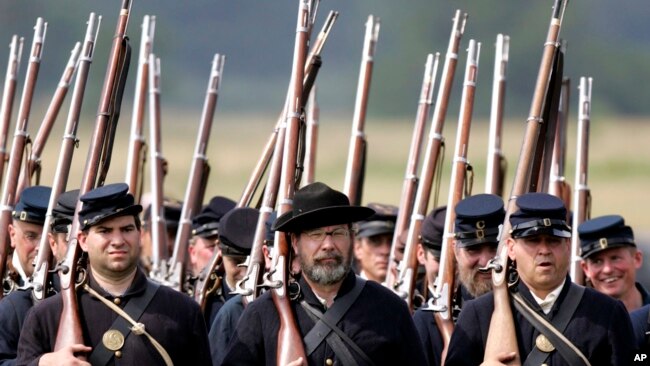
(547, 303)
(15, 261)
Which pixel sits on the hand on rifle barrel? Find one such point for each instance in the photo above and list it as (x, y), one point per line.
(66, 356)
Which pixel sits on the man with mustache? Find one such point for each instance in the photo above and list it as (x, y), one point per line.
(611, 259)
(373, 241)
(367, 320)
(592, 327)
(476, 229)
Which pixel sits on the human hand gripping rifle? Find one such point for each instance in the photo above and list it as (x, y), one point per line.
(195, 190)
(461, 184)
(410, 185)
(9, 189)
(8, 94)
(312, 66)
(582, 195)
(69, 142)
(406, 269)
(502, 338)
(356, 166)
(70, 331)
(33, 163)
(496, 164)
(136, 155)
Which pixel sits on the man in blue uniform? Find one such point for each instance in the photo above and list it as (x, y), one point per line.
(594, 326)
(25, 231)
(117, 294)
(611, 259)
(370, 321)
(476, 228)
(373, 240)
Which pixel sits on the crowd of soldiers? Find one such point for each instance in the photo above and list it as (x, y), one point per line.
(341, 308)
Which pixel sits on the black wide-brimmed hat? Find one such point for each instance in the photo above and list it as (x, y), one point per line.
(317, 205)
(537, 214)
(432, 230)
(603, 233)
(237, 231)
(106, 202)
(478, 219)
(32, 205)
(63, 212)
(381, 222)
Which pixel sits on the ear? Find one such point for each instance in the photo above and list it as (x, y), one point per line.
(421, 254)
(585, 268)
(294, 242)
(12, 233)
(81, 238)
(510, 242)
(638, 259)
(52, 242)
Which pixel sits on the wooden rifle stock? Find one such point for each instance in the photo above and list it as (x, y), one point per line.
(34, 160)
(209, 281)
(69, 141)
(410, 185)
(9, 190)
(502, 337)
(496, 164)
(195, 189)
(136, 155)
(558, 185)
(158, 227)
(8, 95)
(406, 268)
(458, 186)
(290, 347)
(582, 195)
(70, 331)
(354, 173)
(309, 80)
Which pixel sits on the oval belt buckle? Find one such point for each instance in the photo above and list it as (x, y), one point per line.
(543, 344)
(113, 340)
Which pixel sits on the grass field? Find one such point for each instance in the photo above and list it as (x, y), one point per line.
(619, 169)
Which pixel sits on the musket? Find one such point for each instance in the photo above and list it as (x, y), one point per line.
(159, 253)
(136, 155)
(582, 194)
(502, 336)
(33, 164)
(8, 94)
(68, 144)
(460, 185)
(195, 185)
(355, 170)
(312, 66)
(432, 158)
(209, 281)
(9, 189)
(70, 331)
(495, 173)
(558, 185)
(312, 117)
(290, 346)
(411, 180)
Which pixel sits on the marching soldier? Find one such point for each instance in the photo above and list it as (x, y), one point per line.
(430, 247)
(476, 231)
(116, 290)
(373, 240)
(25, 232)
(62, 215)
(611, 259)
(595, 327)
(370, 321)
(172, 212)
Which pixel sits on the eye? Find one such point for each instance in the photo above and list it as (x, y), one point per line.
(317, 235)
(340, 233)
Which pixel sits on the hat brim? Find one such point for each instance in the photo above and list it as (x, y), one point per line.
(375, 231)
(326, 216)
(597, 249)
(132, 210)
(534, 231)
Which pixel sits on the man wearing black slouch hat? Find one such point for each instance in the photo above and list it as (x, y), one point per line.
(373, 325)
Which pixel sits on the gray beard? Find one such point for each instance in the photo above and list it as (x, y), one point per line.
(325, 275)
(475, 287)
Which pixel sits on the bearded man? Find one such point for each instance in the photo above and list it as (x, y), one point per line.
(372, 323)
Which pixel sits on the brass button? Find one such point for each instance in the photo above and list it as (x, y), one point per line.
(117, 301)
(329, 362)
(118, 354)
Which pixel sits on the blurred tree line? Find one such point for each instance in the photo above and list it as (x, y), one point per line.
(608, 40)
